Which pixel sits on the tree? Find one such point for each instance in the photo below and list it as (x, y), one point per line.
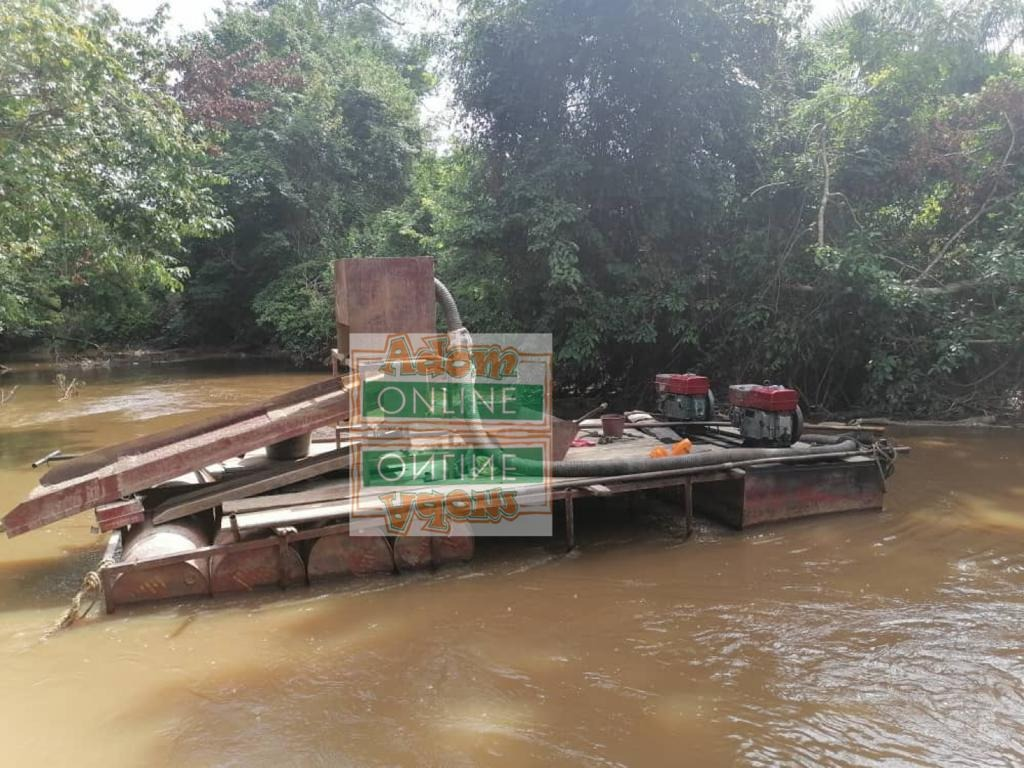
(614, 137)
(101, 177)
(677, 185)
(316, 108)
(881, 249)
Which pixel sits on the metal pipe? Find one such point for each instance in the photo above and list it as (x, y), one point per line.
(591, 413)
(640, 465)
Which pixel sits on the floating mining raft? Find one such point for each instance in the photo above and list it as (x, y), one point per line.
(260, 497)
(278, 517)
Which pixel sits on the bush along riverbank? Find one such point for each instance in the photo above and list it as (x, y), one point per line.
(836, 208)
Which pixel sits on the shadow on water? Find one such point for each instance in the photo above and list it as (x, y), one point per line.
(18, 449)
(43, 582)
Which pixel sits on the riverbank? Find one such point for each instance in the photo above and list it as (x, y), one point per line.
(134, 356)
(566, 407)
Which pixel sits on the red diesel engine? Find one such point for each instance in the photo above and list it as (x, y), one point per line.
(685, 396)
(765, 414)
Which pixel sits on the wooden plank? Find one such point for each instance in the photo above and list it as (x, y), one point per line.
(106, 578)
(831, 426)
(95, 460)
(154, 497)
(251, 484)
(118, 514)
(649, 425)
(328, 491)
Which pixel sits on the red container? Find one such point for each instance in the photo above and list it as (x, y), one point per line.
(613, 424)
(763, 397)
(681, 384)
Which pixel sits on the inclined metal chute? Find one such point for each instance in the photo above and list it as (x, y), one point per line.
(118, 471)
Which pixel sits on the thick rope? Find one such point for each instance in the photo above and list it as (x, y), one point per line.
(90, 590)
(885, 459)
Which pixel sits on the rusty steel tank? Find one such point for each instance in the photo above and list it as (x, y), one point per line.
(144, 541)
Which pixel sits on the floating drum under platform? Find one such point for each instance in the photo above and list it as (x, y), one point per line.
(457, 547)
(413, 553)
(145, 542)
(339, 554)
(247, 569)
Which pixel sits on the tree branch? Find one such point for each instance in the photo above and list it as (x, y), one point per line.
(962, 285)
(981, 210)
(373, 7)
(825, 194)
(767, 186)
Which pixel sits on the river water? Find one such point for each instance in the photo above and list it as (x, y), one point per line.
(867, 639)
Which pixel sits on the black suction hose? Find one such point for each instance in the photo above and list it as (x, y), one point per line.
(816, 438)
(444, 297)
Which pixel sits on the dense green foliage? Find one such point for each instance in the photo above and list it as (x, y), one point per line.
(101, 177)
(682, 185)
(882, 251)
(329, 145)
(662, 184)
(614, 137)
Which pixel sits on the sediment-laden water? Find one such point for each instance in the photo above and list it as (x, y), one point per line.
(893, 638)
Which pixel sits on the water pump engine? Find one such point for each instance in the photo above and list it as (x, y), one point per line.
(685, 396)
(765, 414)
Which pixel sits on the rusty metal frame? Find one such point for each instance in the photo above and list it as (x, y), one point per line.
(282, 540)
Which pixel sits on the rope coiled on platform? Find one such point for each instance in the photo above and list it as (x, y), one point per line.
(90, 590)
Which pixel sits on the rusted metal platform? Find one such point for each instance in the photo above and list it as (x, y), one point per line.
(267, 520)
(263, 552)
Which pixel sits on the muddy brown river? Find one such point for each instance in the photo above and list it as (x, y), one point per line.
(890, 639)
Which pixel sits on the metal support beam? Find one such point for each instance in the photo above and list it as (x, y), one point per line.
(106, 579)
(688, 506)
(570, 525)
